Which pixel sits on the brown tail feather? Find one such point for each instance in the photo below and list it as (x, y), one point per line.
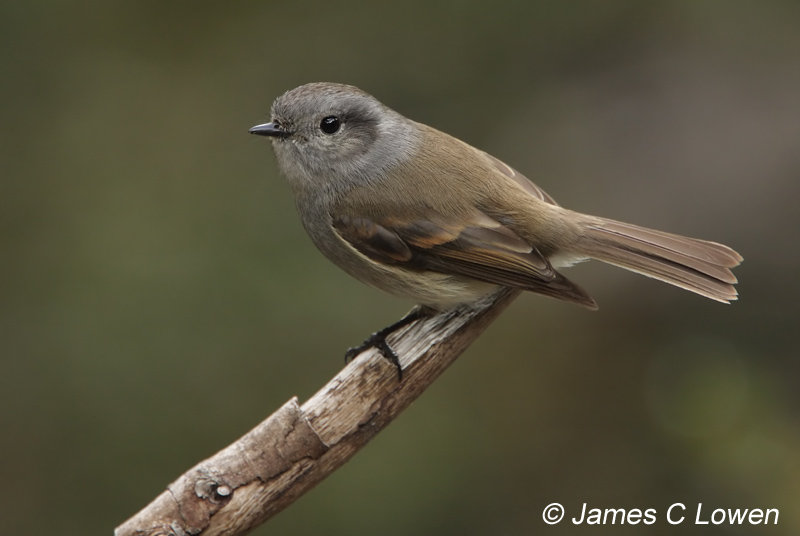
(696, 265)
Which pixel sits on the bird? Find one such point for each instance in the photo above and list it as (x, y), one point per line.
(420, 214)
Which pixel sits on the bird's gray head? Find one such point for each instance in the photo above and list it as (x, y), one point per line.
(336, 135)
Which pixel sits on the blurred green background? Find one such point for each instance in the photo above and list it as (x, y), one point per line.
(158, 296)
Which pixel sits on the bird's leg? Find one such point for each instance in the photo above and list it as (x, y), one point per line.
(378, 339)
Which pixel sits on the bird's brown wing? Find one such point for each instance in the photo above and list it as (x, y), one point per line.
(480, 248)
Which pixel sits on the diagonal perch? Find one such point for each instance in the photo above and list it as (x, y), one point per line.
(296, 447)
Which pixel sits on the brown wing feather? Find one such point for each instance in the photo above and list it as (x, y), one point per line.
(481, 249)
(373, 240)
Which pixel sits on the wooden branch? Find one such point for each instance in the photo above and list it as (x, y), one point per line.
(286, 455)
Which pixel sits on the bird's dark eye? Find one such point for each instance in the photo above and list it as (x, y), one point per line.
(330, 124)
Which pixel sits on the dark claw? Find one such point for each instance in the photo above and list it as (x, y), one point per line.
(378, 340)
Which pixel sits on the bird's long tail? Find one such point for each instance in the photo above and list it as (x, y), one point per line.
(696, 265)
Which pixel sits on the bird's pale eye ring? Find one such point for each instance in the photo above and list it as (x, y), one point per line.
(330, 124)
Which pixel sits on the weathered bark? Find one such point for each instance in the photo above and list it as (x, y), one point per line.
(296, 447)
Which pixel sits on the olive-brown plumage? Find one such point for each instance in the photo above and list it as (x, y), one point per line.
(417, 213)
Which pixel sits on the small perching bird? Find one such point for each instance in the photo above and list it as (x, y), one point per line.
(420, 214)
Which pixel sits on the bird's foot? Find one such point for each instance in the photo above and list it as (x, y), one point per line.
(378, 340)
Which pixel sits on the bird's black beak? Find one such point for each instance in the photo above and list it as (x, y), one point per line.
(273, 130)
